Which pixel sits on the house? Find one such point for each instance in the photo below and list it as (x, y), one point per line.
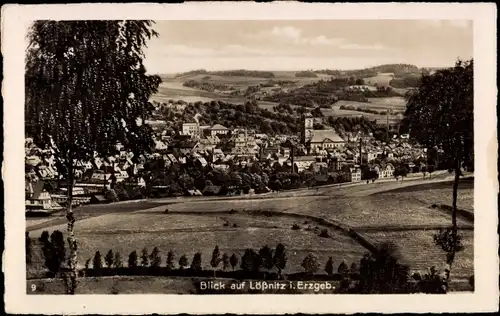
(325, 139)
(218, 129)
(38, 198)
(191, 129)
(303, 162)
(353, 173)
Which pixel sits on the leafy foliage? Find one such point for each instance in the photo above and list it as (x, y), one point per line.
(225, 262)
(280, 258)
(132, 259)
(117, 261)
(171, 260)
(215, 261)
(449, 243)
(196, 263)
(183, 262)
(329, 266)
(144, 257)
(155, 258)
(54, 251)
(234, 260)
(97, 261)
(267, 257)
(251, 261)
(86, 88)
(109, 258)
(311, 263)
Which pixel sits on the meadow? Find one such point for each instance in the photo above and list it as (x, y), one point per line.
(190, 225)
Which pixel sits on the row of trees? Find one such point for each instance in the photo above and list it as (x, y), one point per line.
(378, 272)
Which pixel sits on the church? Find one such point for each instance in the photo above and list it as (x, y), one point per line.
(322, 139)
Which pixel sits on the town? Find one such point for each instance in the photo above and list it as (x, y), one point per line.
(216, 160)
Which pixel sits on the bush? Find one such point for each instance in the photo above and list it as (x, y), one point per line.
(233, 211)
(295, 227)
(155, 258)
(183, 262)
(311, 263)
(44, 237)
(325, 233)
(109, 258)
(235, 225)
(97, 262)
(132, 259)
(171, 260)
(144, 257)
(166, 210)
(329, 266)
(196, 263)
(226, 224)
(234, 260)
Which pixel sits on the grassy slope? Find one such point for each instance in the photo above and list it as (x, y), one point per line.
(188, 233)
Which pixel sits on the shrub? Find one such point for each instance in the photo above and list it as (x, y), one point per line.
(87, 264)
(171, 260)
(324, 233)
(233, 211)
(97, 262)
(144, 257)
(311, 263)
(343, 268)
(280, 258)
(196, 263)
(166, 210)
(329, 266)
(295, 227)
(225, 262)
(215, 261)
(354, 267)
(54, 251)
(234, 260)
(44, 236)
(109, 258)
(183, 262)
(251, 261)
(118, 260)
(266, 255)
(132, 259)
(235, 225)
(155, 258)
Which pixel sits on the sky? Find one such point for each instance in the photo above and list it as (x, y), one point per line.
(299, 45)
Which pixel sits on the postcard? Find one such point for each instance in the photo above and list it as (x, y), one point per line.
(250, 158)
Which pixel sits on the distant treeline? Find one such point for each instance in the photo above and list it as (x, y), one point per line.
(325, 93)
(233, 73)
(306, 74)
(206, 86)
(397, 69)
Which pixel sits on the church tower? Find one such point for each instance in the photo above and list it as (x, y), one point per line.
(308, 128)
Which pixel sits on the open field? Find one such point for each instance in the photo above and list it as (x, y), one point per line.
(382, 79)
(198, 225)
(417, 249)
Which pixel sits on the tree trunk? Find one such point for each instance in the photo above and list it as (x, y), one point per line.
(72, 260)
(454, 227)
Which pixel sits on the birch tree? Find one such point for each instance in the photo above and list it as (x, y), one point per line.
(440, 114)
(87, 89)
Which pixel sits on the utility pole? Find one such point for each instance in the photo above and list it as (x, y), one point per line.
(360, 152)
(387, 127)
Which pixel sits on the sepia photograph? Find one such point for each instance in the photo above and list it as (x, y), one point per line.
(271, 156)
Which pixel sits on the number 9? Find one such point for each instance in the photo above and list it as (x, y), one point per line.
(33, 287)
